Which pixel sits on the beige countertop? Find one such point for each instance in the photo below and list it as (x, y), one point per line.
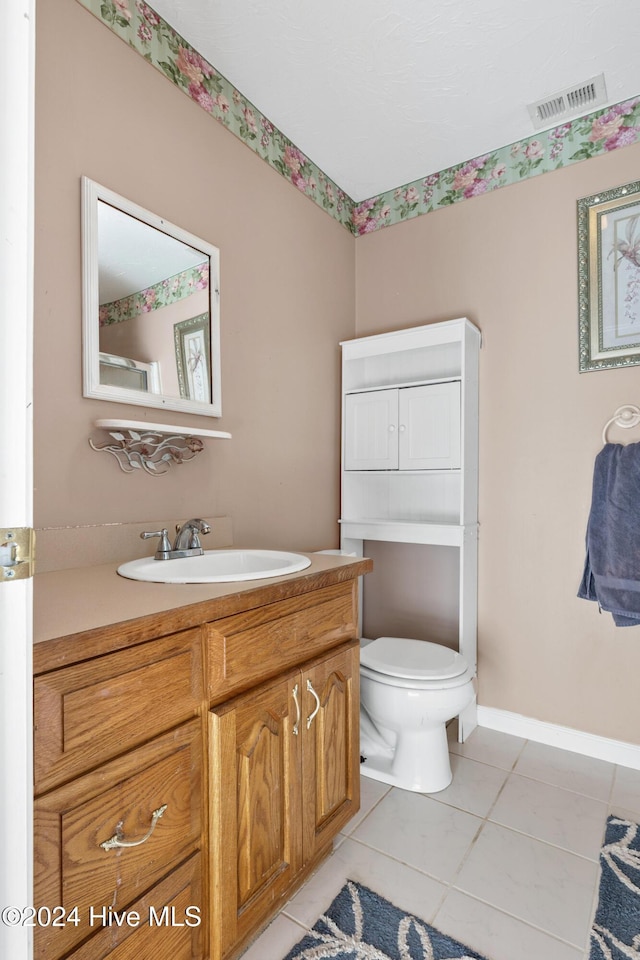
(104, 611)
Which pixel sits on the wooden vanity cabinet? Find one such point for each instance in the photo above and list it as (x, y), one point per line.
(186, 784)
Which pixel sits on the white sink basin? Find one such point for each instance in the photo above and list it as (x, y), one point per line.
(216, 566)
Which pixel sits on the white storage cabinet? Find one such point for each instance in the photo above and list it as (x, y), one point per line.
(410, 450)
(413, 428)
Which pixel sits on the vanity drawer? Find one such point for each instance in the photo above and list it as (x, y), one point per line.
(96, 710)
(72, 869)
(254, 646)
(168, 924)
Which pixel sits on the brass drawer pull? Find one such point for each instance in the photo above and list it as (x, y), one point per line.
(296, 725)
(317, 699)
(117, 841)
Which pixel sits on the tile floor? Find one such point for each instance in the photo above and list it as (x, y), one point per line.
(504, 860)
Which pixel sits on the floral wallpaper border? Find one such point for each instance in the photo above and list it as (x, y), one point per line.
(161, 294)
(581, 139)
(571, 142)
(143, 29)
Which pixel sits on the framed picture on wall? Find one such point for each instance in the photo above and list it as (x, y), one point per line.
(193, 357)
(609, 278)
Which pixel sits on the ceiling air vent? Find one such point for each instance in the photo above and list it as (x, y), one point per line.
(571, 102)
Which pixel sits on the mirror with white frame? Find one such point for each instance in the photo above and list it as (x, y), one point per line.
(151, 308)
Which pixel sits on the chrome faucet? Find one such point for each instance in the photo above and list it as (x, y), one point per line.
(186, 544)
(187, 535)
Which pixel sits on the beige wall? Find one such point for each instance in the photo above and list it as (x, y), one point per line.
(508, 261)
(287, 298)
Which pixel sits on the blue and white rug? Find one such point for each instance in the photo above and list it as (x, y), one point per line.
(615, 934)
(360, 925)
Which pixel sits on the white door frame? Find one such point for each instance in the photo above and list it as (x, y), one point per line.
(17, 69)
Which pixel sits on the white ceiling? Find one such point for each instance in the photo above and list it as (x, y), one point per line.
(379, 93)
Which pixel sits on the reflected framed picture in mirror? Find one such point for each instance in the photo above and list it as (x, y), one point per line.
(192, 349)
(151, 308)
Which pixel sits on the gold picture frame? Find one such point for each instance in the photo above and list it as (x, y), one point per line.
(609, 278)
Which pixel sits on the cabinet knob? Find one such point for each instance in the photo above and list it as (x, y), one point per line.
(402, 428)
(392, 428)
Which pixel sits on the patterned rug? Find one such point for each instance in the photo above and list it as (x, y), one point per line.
(360, 925)
(615, 934)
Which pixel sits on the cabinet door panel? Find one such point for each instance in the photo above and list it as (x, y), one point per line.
(331, 750)
(429, 427)
(371, 424)
(256, 815)
(262, 776)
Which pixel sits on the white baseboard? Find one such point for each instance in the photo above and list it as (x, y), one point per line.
(588, 744)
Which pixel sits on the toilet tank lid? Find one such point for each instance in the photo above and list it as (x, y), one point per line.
(409, 658)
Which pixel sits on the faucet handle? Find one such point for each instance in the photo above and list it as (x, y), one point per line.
(164, 547)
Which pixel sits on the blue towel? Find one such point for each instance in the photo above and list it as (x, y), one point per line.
(612, 566)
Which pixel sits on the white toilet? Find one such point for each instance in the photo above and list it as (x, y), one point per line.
(409, 690)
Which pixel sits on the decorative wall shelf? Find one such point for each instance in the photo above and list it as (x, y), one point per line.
(152, 447)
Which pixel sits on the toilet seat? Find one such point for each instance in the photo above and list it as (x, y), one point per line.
(406, 662)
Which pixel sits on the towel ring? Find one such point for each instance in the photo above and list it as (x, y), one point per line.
(626, 416)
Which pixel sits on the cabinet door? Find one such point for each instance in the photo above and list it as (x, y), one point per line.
(429, 427)
(256, 817)
(371, 425)
(331, 751)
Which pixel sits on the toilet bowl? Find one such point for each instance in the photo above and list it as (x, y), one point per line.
(409, 690)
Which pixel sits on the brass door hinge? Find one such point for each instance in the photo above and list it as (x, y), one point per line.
(17, 553)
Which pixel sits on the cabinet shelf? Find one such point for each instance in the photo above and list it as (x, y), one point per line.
(408, 531)
(403, 384)
(445, 471)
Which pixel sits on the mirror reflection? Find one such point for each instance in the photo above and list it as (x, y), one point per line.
(151, 321)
